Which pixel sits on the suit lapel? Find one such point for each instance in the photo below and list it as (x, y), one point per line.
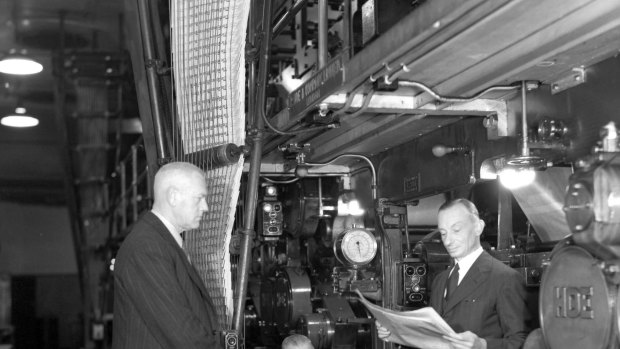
(193, 273)
(161, 229)
(476, 275)
(438, 298)
(196, 279)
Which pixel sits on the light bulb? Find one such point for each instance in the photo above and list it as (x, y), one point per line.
(301, 170)
(271, 191)
(350, 208)
(267, 207)
(355, 209)
(514, 178)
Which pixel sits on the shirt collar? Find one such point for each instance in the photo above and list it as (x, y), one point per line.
(466, 262)
(173, 231)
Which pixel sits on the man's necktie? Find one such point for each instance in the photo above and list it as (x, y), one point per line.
(453, 281)
(184, 248)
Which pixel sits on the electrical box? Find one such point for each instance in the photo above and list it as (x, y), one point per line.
(414, 283)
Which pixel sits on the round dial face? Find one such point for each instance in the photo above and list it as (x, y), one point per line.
(358, 246)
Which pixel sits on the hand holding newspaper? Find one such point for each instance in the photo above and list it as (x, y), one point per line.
(422, 328)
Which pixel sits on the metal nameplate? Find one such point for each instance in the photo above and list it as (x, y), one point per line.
(411, 184)
(319, 86)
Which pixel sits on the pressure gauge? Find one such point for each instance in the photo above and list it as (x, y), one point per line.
(355, 247)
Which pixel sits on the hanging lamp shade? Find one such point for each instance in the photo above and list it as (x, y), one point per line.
(520, 171)
(19, 119)
(18, 63)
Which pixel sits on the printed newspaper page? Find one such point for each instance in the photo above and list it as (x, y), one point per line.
(422, 328)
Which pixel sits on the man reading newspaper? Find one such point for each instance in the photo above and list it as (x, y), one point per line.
(480, 298)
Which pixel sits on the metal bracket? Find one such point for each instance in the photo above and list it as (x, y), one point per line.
(384, 102)
(234, 246)
(158, 65)
(576, 77)
(295, 151)
(294, 148)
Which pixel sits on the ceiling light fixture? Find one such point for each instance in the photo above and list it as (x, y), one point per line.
(19, 119)
(519, 171)
(18, 63)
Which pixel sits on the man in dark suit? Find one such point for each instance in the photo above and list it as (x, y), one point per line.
(159, 299)
(482, 299)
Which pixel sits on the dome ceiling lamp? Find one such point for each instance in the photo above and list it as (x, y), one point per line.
(519, 171)
(18, 63)
(19, 119)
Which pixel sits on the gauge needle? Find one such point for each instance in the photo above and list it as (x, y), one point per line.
(358, 248)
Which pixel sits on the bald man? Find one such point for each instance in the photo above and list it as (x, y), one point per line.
(159, 299)
(297, 341)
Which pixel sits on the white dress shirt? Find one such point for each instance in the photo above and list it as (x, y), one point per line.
(466, 262)
(173, 231)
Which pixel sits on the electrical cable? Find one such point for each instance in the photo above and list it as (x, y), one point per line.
(446, 99)
(358, 156)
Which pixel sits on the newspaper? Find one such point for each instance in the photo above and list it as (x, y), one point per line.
(422, 328)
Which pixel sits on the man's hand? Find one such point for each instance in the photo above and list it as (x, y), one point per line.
(466, 340)
(382, 332)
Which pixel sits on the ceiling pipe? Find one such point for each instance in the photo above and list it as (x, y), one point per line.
(525, 150)
(302, 171)
(323, 27)
(288, 16)
(246, 234)
(153, 80)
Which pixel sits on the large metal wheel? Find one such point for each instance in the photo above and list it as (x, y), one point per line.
(577, 301)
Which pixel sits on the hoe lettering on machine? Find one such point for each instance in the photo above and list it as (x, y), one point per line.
(573, 302)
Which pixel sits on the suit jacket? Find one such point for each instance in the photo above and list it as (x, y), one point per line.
(159, 299)
(490, 301)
